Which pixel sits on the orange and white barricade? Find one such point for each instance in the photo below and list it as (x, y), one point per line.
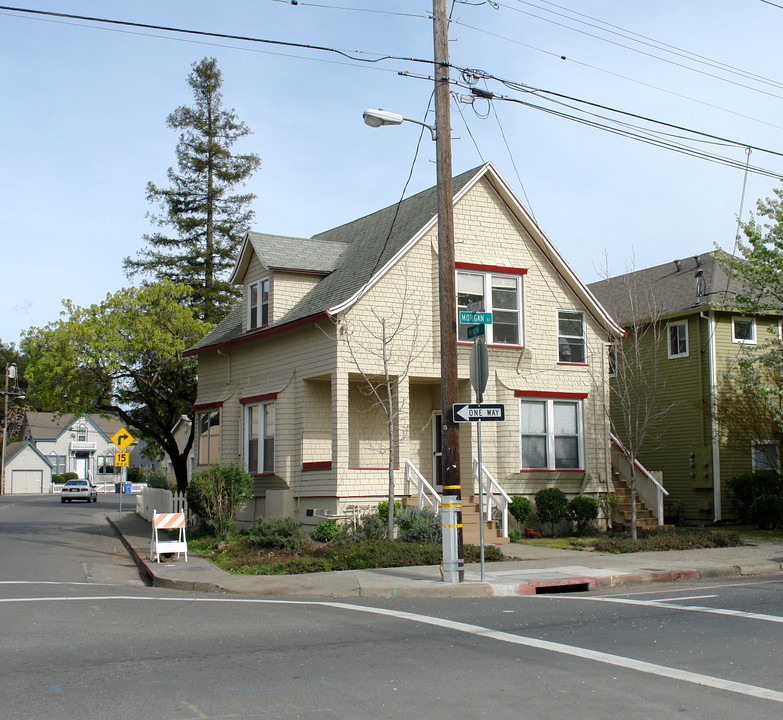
(162, 523)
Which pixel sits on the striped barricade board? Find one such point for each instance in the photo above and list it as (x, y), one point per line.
(162, 523)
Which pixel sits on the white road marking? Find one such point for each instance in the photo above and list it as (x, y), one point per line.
(50, 582)
(477, 630)
(686, 608)
(701, 587)
(685, 597)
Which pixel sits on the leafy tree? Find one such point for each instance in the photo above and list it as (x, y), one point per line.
(207, 220)
(122, 357)
(17, 407)
(759, 265)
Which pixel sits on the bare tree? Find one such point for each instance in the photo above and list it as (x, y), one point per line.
(383, 350)
(636, 405)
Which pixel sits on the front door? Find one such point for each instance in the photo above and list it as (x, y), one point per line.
(81, 464)
(437, 450)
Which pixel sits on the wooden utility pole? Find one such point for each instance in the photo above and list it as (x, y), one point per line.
(449, 391)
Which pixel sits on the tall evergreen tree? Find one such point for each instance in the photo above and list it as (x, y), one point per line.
(207, 220)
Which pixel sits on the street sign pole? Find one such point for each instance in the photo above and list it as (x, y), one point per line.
(479, 375)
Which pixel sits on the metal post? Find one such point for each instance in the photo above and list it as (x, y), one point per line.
(449, 388)
(5, 426)
(449, 509)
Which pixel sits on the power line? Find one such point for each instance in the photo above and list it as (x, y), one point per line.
(351, 55)
(652, 55)
(644, 40)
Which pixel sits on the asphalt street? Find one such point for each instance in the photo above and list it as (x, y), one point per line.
(82, 637)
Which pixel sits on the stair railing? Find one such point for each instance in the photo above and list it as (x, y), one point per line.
(649, 487)
(495, 495)
(427, 495)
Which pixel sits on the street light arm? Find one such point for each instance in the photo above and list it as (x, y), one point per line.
(378, 118)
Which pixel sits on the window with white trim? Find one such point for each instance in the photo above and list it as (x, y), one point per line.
(57, 462)
(678, 339)
(743, 330)
(208, 436)
(612, 357)
(258, 304)
(571, 337)
(492, 292)
(260, 437)
(81, 433)
(106, 465)
(550, 434)
(765, 457)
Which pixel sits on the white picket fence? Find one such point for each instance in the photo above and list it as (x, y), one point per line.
(152, 499)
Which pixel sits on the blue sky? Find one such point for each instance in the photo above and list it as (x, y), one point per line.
(83, 127)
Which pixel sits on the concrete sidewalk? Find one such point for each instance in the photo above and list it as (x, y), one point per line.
(528, 571)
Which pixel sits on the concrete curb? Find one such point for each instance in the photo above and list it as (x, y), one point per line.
(550, 579)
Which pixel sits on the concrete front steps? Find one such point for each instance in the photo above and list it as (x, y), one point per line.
(471, 528)
(471, 523)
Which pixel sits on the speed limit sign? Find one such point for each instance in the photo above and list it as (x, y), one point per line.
(122, 459)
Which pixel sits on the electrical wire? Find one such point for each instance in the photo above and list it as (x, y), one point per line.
(350, 54)
(353, 9)
(617, 75)
(647, 40)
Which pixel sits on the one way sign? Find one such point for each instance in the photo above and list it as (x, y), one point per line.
(475, 412)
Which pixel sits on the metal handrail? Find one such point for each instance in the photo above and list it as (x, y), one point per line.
(500, 498)
(413, 476)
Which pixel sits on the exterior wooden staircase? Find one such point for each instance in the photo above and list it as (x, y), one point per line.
(645, 518)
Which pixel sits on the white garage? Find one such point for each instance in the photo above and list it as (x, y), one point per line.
(26, 482)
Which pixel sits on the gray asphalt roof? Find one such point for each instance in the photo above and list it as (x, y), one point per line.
(47, 425)
(283, 252)
(673, 289)
(367, 245)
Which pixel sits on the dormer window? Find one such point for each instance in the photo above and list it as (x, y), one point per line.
(258, 304)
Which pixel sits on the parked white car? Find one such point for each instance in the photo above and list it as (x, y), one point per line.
(79, 490)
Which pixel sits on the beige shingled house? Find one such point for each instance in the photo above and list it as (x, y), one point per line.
(281, 392)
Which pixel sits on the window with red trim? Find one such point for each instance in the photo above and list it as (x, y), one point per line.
(496, 293)
(550, 434)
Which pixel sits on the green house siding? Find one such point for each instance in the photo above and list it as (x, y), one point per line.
(683, 449)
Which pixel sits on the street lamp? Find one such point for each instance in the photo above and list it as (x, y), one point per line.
(378, 118)
(10, 374)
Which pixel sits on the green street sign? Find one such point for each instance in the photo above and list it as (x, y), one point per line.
(475, 331)
(475, 318)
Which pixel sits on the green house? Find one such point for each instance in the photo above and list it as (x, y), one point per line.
(703, 336)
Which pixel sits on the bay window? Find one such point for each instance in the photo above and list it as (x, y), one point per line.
(260, 437)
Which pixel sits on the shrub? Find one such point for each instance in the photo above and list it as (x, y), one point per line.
(419, 526)
(609, 504)
(383, 510)
(58, 479)
(70, 476)
(582, 510)
(159, 479)
(472, 553)
(370, 528)
(551, 506)
(515, 535)
(326, 531)
(758, 499)
(277, 534)
(669, 540)
(216, 492)
(520, 508)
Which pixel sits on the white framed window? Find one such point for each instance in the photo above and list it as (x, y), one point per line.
(492, 292)
(260, 437)
(58, 463)
(743, 330)
(208, 436)
(571, 337)
(106, 465)
(765, 457)
(677, 339)
(550, 434)
(81, 433)
(258, 304)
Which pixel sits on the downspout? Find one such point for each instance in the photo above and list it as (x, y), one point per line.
(716, 502)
